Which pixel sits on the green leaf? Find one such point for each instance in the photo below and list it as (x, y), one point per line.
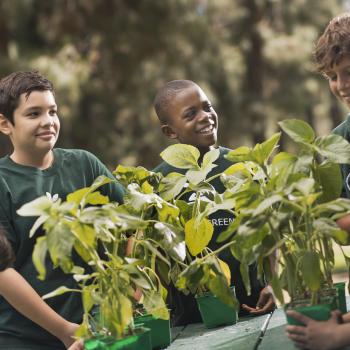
(281, 164)
(100, 181)
(334, 147)
(154, 250)
(191, 277)
(172, 185)
(331, 181)
(181, 156)
(79, 196)
(198, 236)
(87, 297)
(310, 270)
(220, 289)
(39, 255)
(96, 198)
(172, 241)
(60, 241)
(238, 168)
(138, 200)
(85, 234)
(197, 176)
(37, 207)
(262, 152)
(327, 227)
(210, 157)
(240, 154)
(129, 173)
(168, 212)
(59, 291)
(155, 305)
(124, 313)
(305, 186)
(244, 270)
(40, 220)
(267, 204)
(277, 289)
(298, 130)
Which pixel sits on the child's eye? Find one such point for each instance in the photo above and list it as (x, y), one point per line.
(190, 114)
(53, 112)
(208, 107)
(33, 114)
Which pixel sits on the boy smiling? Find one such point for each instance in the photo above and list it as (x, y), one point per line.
(34, 129)
(186, 114)
(332, 58)
(28, 116)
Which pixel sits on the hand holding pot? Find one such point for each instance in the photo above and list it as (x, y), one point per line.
(320, 335)
(265, 304)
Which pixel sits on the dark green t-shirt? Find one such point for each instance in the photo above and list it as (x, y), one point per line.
(344, 130)
(184, 308)
(71, 170)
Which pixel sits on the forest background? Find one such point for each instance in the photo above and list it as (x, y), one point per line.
(107, 58)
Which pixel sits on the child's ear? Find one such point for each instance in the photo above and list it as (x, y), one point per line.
(168, 131)
(5, 125)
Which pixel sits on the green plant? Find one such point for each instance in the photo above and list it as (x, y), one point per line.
(289, 203)
(88, 225)
(201, 270)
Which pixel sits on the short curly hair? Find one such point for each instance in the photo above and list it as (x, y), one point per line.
(334, 44)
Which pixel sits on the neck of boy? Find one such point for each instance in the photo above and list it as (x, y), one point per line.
(203, 151)
(41, 162)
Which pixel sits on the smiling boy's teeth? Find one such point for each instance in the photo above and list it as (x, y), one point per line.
(207, 129)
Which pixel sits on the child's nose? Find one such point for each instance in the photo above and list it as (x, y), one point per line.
(47, 119)
(204, 115)
(343, 82)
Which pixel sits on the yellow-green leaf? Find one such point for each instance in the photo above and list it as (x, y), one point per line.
(311, 271)
(181, 156)
(39, 255)
(198, 236)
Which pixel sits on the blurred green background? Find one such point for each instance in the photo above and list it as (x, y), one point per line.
(107, 58)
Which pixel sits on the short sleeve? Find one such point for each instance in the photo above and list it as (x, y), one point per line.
(115, 191)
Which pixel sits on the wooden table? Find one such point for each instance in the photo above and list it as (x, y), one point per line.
(241, 336)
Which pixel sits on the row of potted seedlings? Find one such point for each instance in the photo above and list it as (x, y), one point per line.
(281, 202)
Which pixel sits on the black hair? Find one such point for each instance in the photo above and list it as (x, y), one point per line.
(16, 84)
(166, 93)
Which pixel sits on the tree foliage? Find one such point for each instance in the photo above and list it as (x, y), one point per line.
(108, 58)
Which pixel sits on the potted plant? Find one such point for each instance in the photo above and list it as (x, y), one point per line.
(290, 203)
(202, 272)
(88, 225)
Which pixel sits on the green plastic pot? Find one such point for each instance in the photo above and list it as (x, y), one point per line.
(140, 340)
(160, 330)
(214, 312)
(321, 312)
(330, 296)
(340, 286)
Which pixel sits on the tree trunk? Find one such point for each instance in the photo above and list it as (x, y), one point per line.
(254, 77)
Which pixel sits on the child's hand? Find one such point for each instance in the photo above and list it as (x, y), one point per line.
(138, 294)
(68, 333)
(265, 304)
(318, 335)
(78, 345)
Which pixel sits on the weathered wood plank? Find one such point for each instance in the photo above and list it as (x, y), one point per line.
(240, 336)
